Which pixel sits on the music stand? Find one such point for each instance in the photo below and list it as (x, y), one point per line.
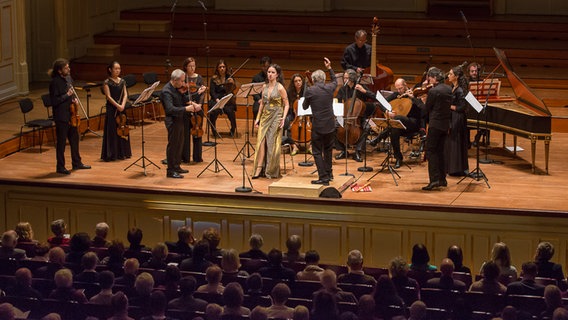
(244, 92)
(218, 105)
(145, 95)
(304, 113)
(390, 124)
(87, 87)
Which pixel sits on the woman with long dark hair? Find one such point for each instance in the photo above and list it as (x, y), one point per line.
(222, 84)
(458, 140)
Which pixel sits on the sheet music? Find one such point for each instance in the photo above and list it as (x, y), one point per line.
(472, 100)
(383, 101)
(337, 109)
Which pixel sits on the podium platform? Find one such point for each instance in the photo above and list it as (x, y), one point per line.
(302, 186)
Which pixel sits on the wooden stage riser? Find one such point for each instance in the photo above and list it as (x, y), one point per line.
(333, 228)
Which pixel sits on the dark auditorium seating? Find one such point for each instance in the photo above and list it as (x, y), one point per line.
(439, 298)
(357, 289)
(252, 265)
(375, 272)
(492, 303)
(305, 288)
(184, 315)
(534, 305)
(463, 277)
(210, 297)
(336, 268)
(253, 301)
(409, 295)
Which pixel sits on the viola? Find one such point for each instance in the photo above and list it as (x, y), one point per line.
(122, 128)
(197, 125)
(421, 90)
(75, 117)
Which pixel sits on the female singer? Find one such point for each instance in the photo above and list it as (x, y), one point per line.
(195, 90)
(270, 121)
(295, 91)
(221, 85)
(457, 142)
(115, 145)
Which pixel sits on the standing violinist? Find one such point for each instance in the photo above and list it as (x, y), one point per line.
(357, 56)
(222, 84)
(175, 105)
(116, 145)
(344, 95)
(295, 91)
(61, 96)
(265, 62)
(195, 92)
(413, 121)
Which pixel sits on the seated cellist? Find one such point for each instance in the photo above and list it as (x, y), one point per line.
(363, 93)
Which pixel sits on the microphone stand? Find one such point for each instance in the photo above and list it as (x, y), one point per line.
(172, 19)
(207, 143)
(468, 36)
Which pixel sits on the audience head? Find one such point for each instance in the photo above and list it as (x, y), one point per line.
(106, 279)
(355, 260)
(530, 270)
(144, 284)
(187, 286)
(254, 282)
(213, 274)
(201, 250)
(398, 267)
(101, 230)
(119, 303)
(258, 313)
(509, 313)
(544, 251)
(58, 227)
(160, 251)
(63, 278)
(490, 271)
(455, 253)
(501, 255)
(275, 257)
(384, 288)
(24, 231)
(328, 279)
(301, 313)
(7, 311)
(560, 313)
(131, 266)
(213, 311)
(418, 310)
(256, 241)
(324, 303)
(185, 235)
(420, 254)
(134, 236)
(312, 257)
(233, 295)
(230, 261)
(280, 293)
(294, 243)
(89, 260)
(366, 305)
(116, 249)
(52, 316)
(158, 303)
(447, 267)
(552, 296)
(213, 237)
(23, 277)
(9, 239)
(80, 242)
(56, 255)
(172, 274)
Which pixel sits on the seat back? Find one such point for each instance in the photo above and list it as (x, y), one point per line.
(210, 297)
(252, 265)
(463, 277)
(534, 305)
(439, 298)
(150, 77)
(376, 272)
(26, 105)
(46, 99)
(480, 301)
(356, 288)
(130, 80)
(305, 288)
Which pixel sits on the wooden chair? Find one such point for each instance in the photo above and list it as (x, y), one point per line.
(39, 125)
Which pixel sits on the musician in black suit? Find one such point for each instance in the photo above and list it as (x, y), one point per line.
(175, 106)
(437, 108)
(320, 98)
(357, 56)
(61, 96)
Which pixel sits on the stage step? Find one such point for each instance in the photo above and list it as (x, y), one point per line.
(103, 50)
(142, 25)
(302, 186)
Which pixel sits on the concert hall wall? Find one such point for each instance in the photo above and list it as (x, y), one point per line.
(333, 227)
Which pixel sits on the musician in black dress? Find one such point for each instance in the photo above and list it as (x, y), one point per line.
(457, 143)
(364, 94)
(320, 98)
(357, 56)
(222, 84)
(413, 121)
(115, 146)
(265, 62)
(61, 95)
(437, 107)
(295, 91)
(195, 92)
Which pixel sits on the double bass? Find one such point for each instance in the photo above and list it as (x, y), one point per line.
(353, 108)
(382, 75)
(301, 128)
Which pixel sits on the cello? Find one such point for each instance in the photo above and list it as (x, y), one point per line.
(301, 127)
(382, 75)
(351, 131)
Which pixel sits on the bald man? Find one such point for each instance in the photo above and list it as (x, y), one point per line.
(446, 282)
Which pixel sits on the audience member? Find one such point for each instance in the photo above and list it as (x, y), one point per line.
(213, 311)
(64, 290)
(259, 313)
(187, 301)
(509, 313)
(301, 313)
(324, 306)
(115, 259)
(184, 245)
(101, 232)
(455, 254)
(78, 245)
(547, 268)
(52, 316)
(8, 249)
(255, 242)
(312, 271)
(356, 274)
(446, 281)
(398, 269)
(158, 304)
(198, 261)
(501, 255)
(489, 283)
(213, 276)
(23, 285)
(293, 245)
(233, 297)
(7, 311)
(89, 262)
(420, 260)
(119, 303)
(418, 311)
(158, 260)
(60, 237)
(25, 239)
(385, 296)
(280, 294)
(329, 284)
(527, 285)
(128, 278)
(56, 260)
(171, 282)
(275, 269)
(553, 300)
(560, 314)
(367, 308)
(143, 287)
(231, 263)
(254, 285)
(214, 238)
(106, 281)
(134, 237)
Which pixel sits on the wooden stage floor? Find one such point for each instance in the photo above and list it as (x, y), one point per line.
(512, 185)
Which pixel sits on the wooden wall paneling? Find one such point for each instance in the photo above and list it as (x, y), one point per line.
(294, 228)
(326, 240)
(235, 237)
(89, 217)
(204, 223)
(415, 237)
(270, 231)
(354, 239)
(443, 240)
(480, 252)
(386, 243)
(521, 247)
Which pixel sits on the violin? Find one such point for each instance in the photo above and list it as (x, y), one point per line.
(422, 90)
(197, 125)
(75, 117)
(122, 128)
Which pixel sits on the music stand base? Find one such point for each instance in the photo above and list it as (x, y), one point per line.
(305, 164)
(347, 174)
(209, 143)
(89, 130)
(365, 169)
(477, 175)
(144, 159)
(243, 189)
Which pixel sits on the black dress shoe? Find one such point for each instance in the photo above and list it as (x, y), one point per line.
(165, 161)
(63, 171)
(357, 157)
(321, 181)
(180, 170)
(431, 185)
(174, 175)
(341, 155)
(81, 166)
(398, 163)
(443, 183)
